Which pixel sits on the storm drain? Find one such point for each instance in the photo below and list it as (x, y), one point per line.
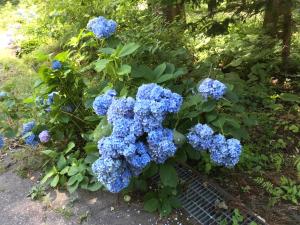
(207, 205)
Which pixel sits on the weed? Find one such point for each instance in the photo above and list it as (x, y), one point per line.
(37, 192)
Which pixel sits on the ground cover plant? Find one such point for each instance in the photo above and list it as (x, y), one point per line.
(125, 91)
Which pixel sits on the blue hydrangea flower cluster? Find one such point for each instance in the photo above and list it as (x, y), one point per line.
(138, 136)
(102, 102)
(27, 127)
(200, 137)
(212, 88)
(1, 141)
(31, 139)
(44, 136)
(152, 105)
(225, 152)
(51, 96)
(56, 65)
(101, 27)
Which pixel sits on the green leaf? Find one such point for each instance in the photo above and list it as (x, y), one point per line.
(52, 154)
(49, 174)
(235, 63)
(91, 157)
(61, 163)
(94, 186)
(289, 97)
(55, 180)
(143, 72)
(77, 178)
(151, 170)
(70, 146)
(107, 51)
(179, 138)
(166, 208)
(64, 170)
(28, 100)
(165, 77)
(159, 70)
(63, 56)
(181, 155)
(174, 201)
(168, 175)
(73, 170)
(211, 116)
(90, 147)
(124, 70)
(104, 129)
(72, 188)
(101, 64)
(208, 106)
(128, 49)
(192, 154)
(151, 205)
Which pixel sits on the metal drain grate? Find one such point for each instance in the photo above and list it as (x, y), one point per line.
(201, 199)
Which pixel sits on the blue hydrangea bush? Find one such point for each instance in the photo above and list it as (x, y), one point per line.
(114, 121)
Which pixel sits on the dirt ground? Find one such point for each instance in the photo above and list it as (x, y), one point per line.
(59, 208)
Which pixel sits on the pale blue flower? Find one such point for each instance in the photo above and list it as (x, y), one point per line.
(101, 27)
(44, 136)
(212, 88)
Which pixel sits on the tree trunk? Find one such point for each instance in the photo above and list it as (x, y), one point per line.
(278, 24)
(174, 11)
(286, 33)
(271, 17)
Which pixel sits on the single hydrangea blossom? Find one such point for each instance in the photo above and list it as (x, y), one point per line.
(225, 152)
(44, 136)
(56, 65)
(200, 137)
(102, 102)
(212, 88)
(101, 27)
(120, 108)
(161, 145)
(114, 174)
(153, 103)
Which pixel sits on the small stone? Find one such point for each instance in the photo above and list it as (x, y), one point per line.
(112, 208)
